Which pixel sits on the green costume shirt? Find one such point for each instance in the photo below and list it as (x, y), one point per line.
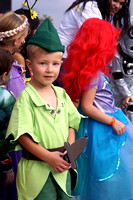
(7, 102)
(48, 127)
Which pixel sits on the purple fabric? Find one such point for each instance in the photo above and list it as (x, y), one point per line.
(16, 83)
(103, 98)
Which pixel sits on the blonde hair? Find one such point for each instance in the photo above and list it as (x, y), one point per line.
(12, 26)
(32, 49)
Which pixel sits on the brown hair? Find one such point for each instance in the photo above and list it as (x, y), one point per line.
(6, 61)
(10, 21)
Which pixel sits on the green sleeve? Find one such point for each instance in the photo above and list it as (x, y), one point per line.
(74, 115)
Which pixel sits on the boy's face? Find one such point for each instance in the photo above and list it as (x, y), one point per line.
(45, 67)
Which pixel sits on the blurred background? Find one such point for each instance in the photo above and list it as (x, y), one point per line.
(51, 8)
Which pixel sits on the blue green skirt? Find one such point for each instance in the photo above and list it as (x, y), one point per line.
(105, 169)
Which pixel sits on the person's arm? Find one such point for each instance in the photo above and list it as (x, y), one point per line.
(6, 162)
(18, 57)
(118, 77)
(54, 159)
(9, 177)
(127, 100)
(71, 136)
(21, 61)
(89, 109)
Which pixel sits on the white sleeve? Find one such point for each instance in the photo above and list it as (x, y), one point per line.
(91, 10)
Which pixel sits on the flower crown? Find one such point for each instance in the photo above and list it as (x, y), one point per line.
(15, 31)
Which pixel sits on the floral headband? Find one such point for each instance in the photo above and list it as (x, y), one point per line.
(15, 31)
(33, 13)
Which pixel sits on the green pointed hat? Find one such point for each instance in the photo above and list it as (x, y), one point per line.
(47, 38)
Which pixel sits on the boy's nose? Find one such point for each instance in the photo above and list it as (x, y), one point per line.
(49, 68)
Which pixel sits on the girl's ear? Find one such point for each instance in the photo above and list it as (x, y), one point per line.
(15, 42)
(28, 63)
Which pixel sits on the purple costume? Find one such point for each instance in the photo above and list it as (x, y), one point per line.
(16, 83)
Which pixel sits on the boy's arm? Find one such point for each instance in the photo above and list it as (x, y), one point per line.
(71, 136)
(9, 177)
(54, 159)
(7, 169)
(6, 161)
(6, 164)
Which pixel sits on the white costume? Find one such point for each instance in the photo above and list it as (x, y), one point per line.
(73, 20)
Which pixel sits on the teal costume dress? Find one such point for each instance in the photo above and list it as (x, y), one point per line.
(105, 168)
(7, 102)
(46, 126)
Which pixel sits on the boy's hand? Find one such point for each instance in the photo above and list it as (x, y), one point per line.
(57, 162)
(119, 127)
(9, 177)
(127, 100)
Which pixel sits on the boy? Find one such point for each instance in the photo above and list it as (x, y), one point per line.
(42, 120)
(7, 102)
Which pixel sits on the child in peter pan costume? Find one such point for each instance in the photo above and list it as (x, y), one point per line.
(43, 119)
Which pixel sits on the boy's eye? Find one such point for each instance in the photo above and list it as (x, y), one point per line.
(55, 64)
(43, 63)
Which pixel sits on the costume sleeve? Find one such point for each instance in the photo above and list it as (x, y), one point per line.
(90, 10)
(22, 120)
(7, 102)
(74, 116)
(118, 77)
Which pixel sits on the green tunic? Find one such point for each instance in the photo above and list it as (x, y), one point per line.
(48, 127)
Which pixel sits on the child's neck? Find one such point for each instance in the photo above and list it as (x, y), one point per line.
(47, 94)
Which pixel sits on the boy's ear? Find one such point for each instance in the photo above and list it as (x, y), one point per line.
(61, 62)
(3, 76)
(28, 63)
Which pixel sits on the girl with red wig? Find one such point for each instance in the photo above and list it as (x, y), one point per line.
(105, 169)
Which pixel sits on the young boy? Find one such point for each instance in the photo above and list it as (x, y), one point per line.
(7, 102)
(42, 120)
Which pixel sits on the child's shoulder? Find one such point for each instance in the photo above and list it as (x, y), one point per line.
(6, 98)
(25, 95)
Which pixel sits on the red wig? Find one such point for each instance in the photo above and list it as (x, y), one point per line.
(90, 52)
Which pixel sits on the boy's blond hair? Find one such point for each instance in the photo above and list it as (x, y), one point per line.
(32, 49)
